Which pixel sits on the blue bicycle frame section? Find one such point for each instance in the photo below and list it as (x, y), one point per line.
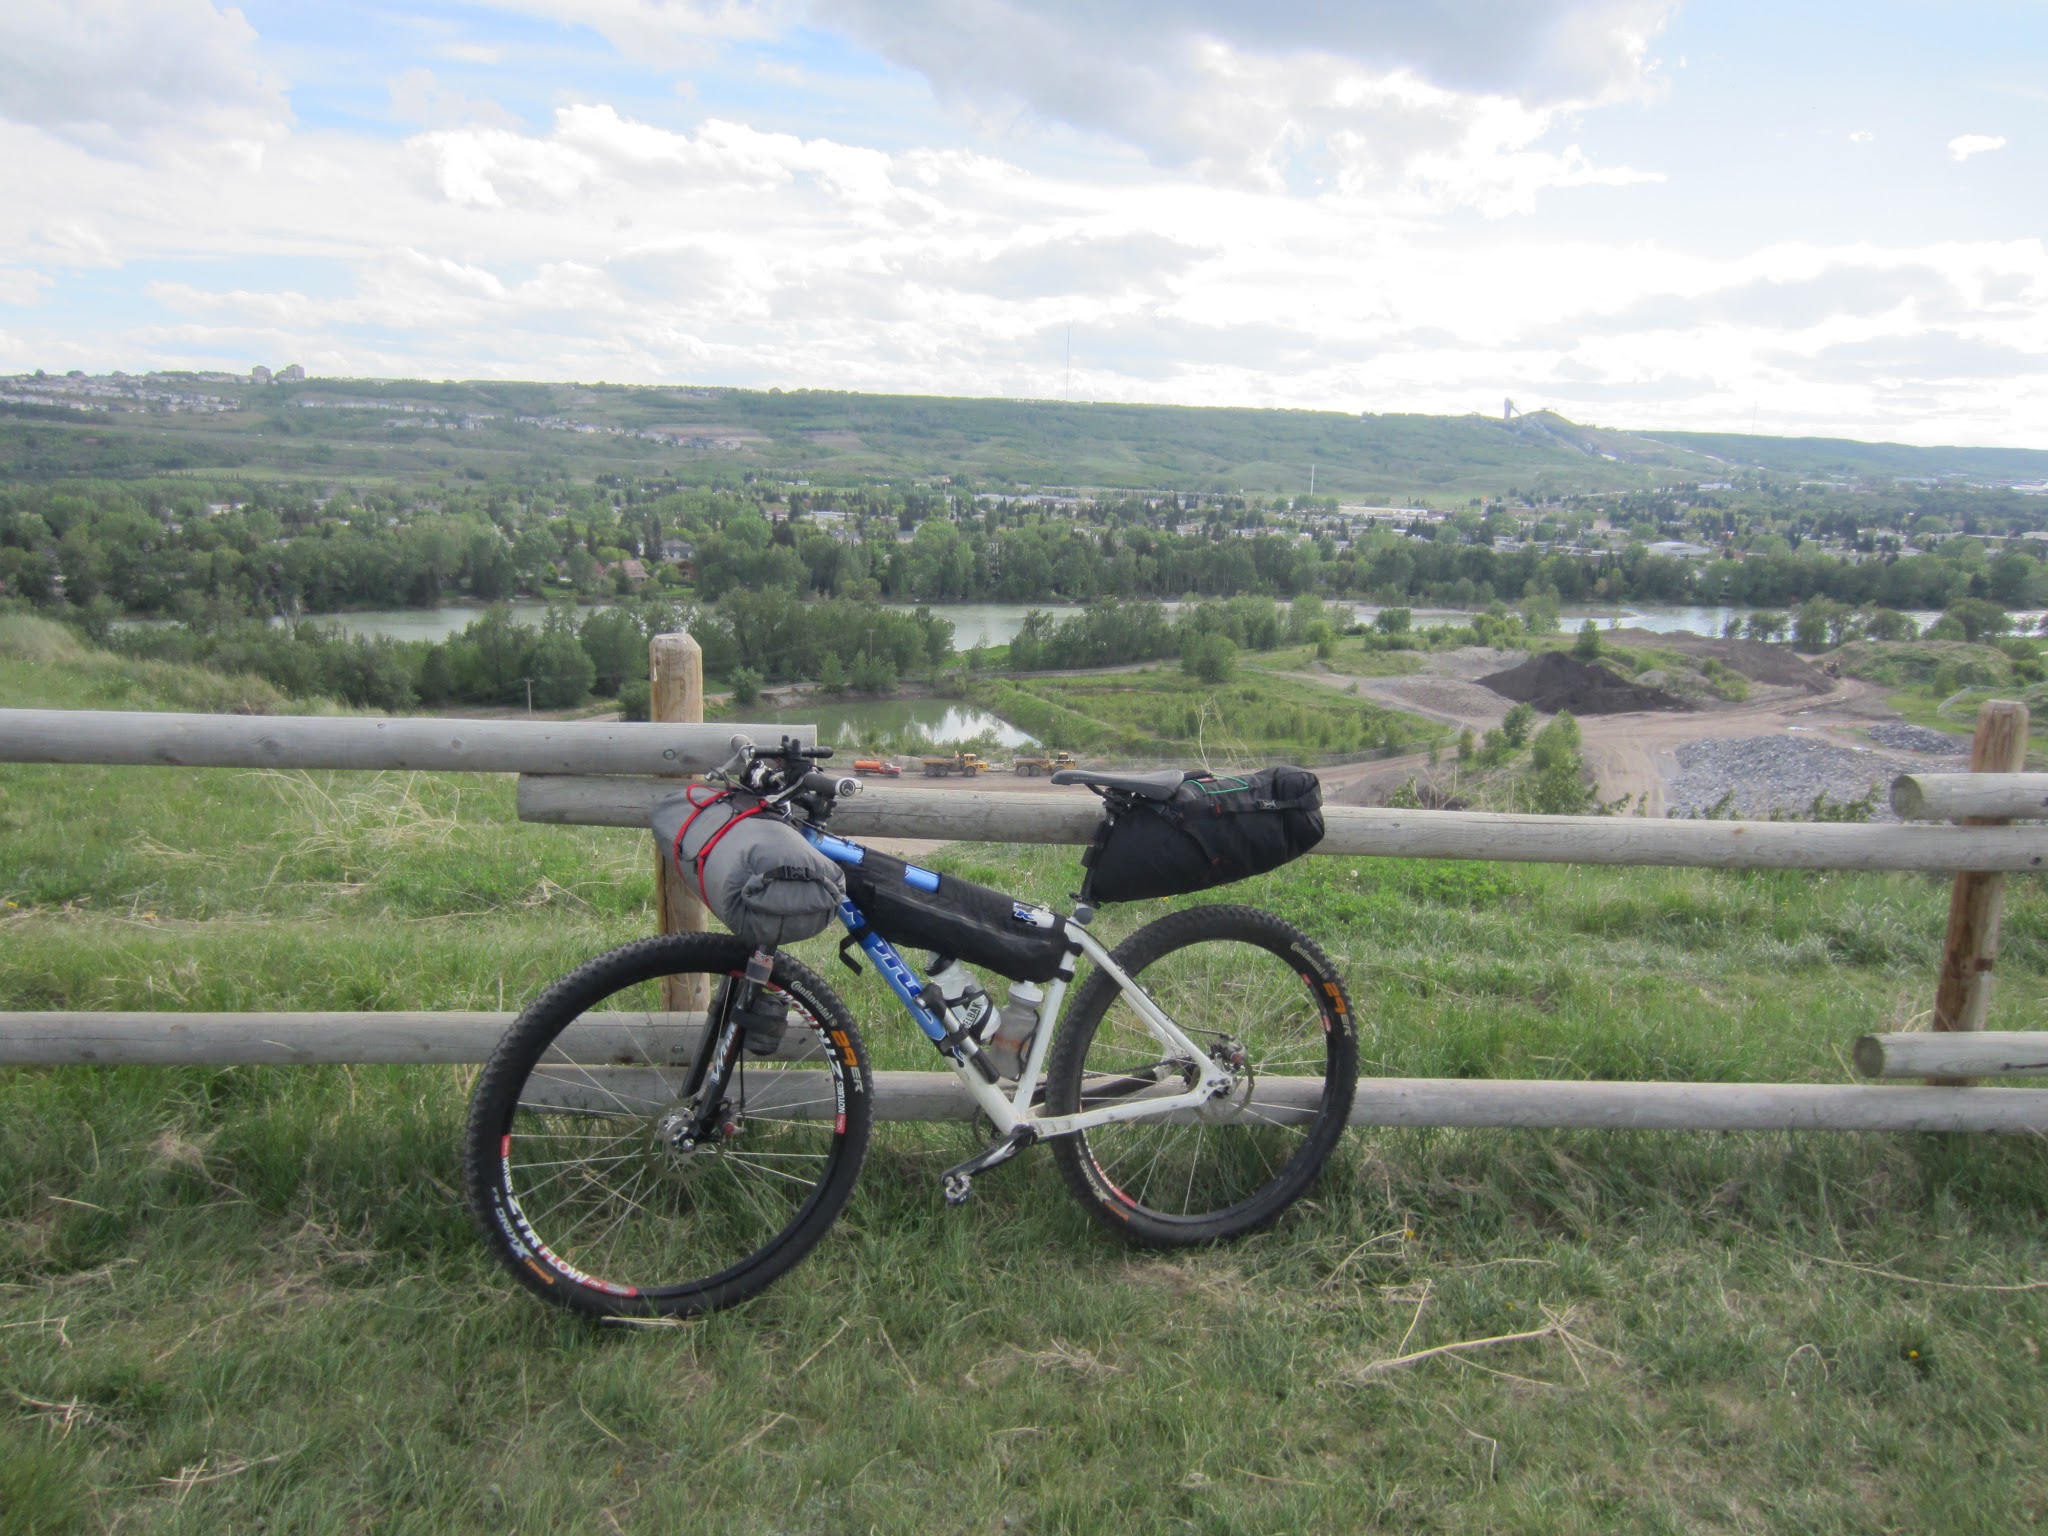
(892, 966)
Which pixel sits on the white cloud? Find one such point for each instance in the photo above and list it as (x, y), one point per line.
(417, 96)
(1304, 95)
(669, 33)
(1049, 51)
(1965, 145)
(1299, 237)
(1861, 136)
(1282, 95)
(18, 286)
(132, 75)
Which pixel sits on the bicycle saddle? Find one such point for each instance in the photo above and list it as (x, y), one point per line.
(1158, 785)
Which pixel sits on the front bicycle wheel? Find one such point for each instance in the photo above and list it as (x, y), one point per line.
(581, 1174)
(1257, 994)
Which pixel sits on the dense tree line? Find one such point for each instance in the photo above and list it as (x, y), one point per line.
(570, 655)
(196, 551)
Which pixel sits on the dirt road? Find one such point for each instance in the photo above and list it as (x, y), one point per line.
(1629, 755)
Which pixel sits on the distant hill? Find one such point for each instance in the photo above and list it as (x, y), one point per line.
(1850, 459)
(412, 429)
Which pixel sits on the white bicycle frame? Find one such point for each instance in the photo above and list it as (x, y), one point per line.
(1009, 1110)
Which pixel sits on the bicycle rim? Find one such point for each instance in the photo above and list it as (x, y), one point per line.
(1250, 987)
(577, 1171)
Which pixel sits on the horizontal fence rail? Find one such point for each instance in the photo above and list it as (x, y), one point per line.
(124, 737)
(619, 1057)
(315, 1039)
(1360, 831)
(1953, 796)
(1957, 1053)
(1475, 1103)
(595, 774)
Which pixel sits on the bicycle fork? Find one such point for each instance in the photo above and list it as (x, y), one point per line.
(701, 1116)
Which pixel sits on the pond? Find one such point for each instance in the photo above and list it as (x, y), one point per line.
(429, 623)
(902, 725)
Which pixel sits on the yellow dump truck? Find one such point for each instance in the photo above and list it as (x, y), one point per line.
(1032, 767)
(966, 764)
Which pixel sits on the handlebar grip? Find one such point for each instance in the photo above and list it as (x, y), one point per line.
(826, 784)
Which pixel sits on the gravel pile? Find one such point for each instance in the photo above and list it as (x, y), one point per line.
(1902, 737)
(1776, 773)
(1445, 696)
(1775, 666)
(1554, 682)
(1469, 661)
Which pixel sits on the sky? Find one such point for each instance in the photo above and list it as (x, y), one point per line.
(1744, 216)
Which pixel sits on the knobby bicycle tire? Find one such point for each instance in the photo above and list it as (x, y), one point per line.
(576, 1183)
(1243, 983)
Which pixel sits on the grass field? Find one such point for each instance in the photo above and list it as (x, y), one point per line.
(248, 1299)
(1256, 716)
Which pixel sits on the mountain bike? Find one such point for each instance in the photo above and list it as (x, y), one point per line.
(634, 1152)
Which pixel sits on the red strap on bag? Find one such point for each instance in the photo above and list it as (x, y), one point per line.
(712, 842)
(699, 808)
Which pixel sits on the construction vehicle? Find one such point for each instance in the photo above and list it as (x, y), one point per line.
(1032, 767)
(966, 764)
(876, 767)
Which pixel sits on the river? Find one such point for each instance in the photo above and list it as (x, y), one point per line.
(998, 623)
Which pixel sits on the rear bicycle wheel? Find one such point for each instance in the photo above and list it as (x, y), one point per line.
(1256, 993)
(575, 1169)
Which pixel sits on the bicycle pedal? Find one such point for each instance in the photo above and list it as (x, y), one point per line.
(958, 1182)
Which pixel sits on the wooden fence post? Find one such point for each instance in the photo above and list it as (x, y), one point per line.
(1976, 904)
(676, 674)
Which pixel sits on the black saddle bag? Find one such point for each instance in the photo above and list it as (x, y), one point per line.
(975, 924)
(1211, 831)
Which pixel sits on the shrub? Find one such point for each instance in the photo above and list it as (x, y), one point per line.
(1515, 725)
(1209, 658)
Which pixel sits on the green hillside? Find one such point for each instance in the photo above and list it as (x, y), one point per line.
(407, 429)
(1846, 458)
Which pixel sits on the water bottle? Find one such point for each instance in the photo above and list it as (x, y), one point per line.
(1016, 1026)
(963, 994)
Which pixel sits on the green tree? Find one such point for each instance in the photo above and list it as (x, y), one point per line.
(1209, 658)
(746, 685)
(1559, 788)
(1888, 624)
(1516, 724)
(1587, 646)
(1980, 618)
(1540, 613)
(562, 672)
(616, 645)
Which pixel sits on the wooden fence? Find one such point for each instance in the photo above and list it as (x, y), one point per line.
(609, 775)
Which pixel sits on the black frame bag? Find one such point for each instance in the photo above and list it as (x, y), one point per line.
(976, 924)
(1212, 830)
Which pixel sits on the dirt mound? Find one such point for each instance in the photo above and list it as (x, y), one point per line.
(1554, 682)
(1775, 666)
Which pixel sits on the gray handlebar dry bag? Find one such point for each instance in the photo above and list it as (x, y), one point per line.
(751, 868)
